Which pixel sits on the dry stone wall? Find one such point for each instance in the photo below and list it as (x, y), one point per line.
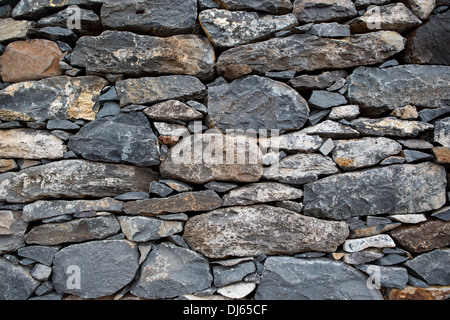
(224, 149)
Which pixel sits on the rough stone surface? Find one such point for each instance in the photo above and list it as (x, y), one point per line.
(293, 142)
(170, 271)
(391, 127)
(432, 266)
(12, 231)
(397, 189)
(142, 229)
(260, 229)
(415, 293)
(378, 241)
(442, 132)
(265, 6)
(17, 282)
(36, 9)
(332, 129)
(136, 55)
(41, 254)
(53, 98)
(105, 267)
(172, 110)
(298, 279)
(73, 179)
(323, 10)
(11, 29)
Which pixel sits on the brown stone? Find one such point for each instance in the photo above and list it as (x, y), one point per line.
(7, 165)
(31, 60)
(234, 71)
(413, 293)
(442, 155)
(424, 237)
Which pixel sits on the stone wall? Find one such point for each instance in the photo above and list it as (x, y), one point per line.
(224, 149)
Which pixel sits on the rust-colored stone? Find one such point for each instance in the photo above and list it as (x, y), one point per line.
(234, 71)
(442, 155)
(413, 293)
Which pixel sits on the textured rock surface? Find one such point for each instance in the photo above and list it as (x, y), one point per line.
(11, 29)
(390, 127)
(17, 282)
(296, 279)
(432, 266)
(36, 9)
(142, 229)
(398, 189)
(265, 6)
(255, 230)
(12, 231)
(323, 10)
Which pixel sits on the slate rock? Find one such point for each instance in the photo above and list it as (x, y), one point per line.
(17, 282)
(323, 80)
(288, 278)
(413, 156)
(264, 6)
(170, 271)
(126, 138)
(261, 229)
(159, 18)
(104, 268)
(30, 144)
(391, 127)
(365, 152)
(390, 277)
(256, 102)
(122, 52)
(432, 266)
(150, 90)
(323, 10)
(442, 132)
(12, 231)
(427, 236)
(160, 189)
(442, 214)
(41, 272)
(306, 52)
(224, 275)
(143, 229)
(323, 99)
(187, 201)
(78, 230)
(227, 29)
(330, 30)
(221, 186)
(53, 98)
(73, 179)
(418, 85)
(397, 189)
(235, 159)
(41, 8)
(54, 34)
(172, 110)
(429, 43)
(41, 254)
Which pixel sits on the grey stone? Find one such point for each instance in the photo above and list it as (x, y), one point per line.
(323, 80)
(306, 52)
(41, 254)
(365, 152)
(316, 116)
(122, 52)
(291, 205)
(289, 278)
(415, 144)
(227, 275)
(378, 241)
(264, 6)
(221, 186)
(172, 110)
(12, 231)
(109, 109)
(330, 30)
(250, 231)
(391, 127)
(428, 115)
(62, 125)
(390, 277)
(160, 189)
(78, 230)
(177, 185)
(171, 271)
(159, 18)
(348, 112)
(54, 34)
(143, 229)
(332, 129)
(104, 268)
(442, 132)
(256, 102)
(62, 218)
(227, 29)
(443, 214)
(41, 272)
(237, 290)
(412, 281)
(207, 4)
(44, 288)
(397, 189)
(361, 257)
(323, 10)
(324, 100)
(281, 75)
(390, 260)
(432, 267)
(409, 218)
(413, 156)
(417, 85)
(17, 282)
(174, 217)
(41, 8)
(292, 142)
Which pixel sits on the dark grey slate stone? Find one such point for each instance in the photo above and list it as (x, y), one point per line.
(323, 99)
(390, 277)
(160, 189)
(224, 275)
(432, 266)
(17, 282)
(413, 156)
(41, 254)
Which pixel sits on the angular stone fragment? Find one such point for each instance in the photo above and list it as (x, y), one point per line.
(41, 254)
(433, 234)
(348, 112)
(324, 10)
(120, 52)
(316, 82)
(78, 230)
(442, 132)
(261, 229)
(390, 277)
(12, 231)
(209, 157)
(378, 241)
(227, 29)
(186, 201)
(170, 271)
(293, 142)
(415, 293)
(265, 6)
(305, 52)
(332, 129)
(224, 275)
(256, 102)
(442, 155)
(172, 110)
(330, 30)
(365, 152)
(432, 266)
(104, 268)
(126, 138)
(73, 179)
(323, 99)
(409, 218)
(17, 282)
(53, 98)
(152, 90)
(397, 189)
(422, 8)
(47, 209)
(31, 60)
(143, 229)
(237, 290)
(418, 85)
(11, 29)
(390, 127)
(7, 165)
(160, 18)
(288, 278)
(41, 8)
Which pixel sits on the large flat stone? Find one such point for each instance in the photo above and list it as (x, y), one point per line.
(73, 179)
(265, 6)
(135, 55)
(397, 189)
(261, 229)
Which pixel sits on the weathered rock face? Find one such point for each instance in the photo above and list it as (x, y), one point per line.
(265, 6)
(390, 127)
(297, 279)
(398, 189)
(210, 157)
(135, 55)
(73, 179)
(17, 283)
(31, 60)
(30, 144)
(36, 9)
(323, 10)
(308, 53)
(116, 263)
(159, 18)
(256, 103)
(12, 231)
(126, 138)
(432, 266)
(260, 229)
(11, 29)
(172, 110)
(54, 98)
(142, 229)
(442, 132)
(373, 87)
